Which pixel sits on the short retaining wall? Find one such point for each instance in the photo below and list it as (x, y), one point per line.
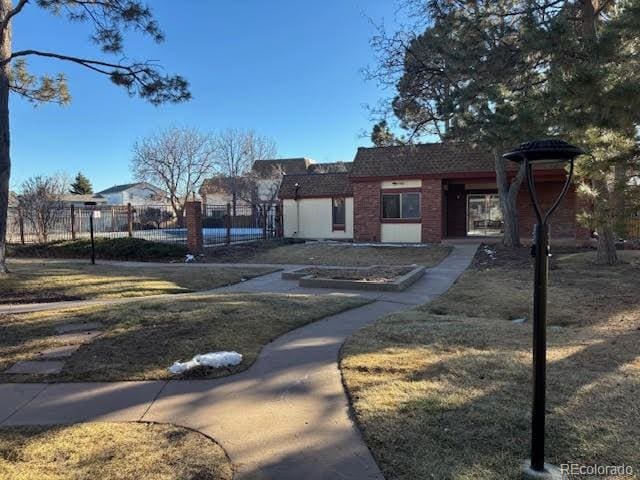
(399, 284)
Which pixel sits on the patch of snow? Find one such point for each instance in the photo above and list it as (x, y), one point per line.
(189, 258)
(213, 359)
(490, 252)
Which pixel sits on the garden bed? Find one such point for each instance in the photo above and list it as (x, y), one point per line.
(376, 277)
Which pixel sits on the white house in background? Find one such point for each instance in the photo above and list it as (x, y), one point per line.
(317, 206)
(141, 193)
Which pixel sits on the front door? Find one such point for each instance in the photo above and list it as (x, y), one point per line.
(484, 216)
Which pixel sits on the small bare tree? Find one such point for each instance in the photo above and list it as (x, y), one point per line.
(236, 151)
(40, 203)
(178, 159)
(261, 191)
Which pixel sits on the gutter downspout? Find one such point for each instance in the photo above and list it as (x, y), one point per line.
(295, 197)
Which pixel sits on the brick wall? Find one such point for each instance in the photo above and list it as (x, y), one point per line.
(563, 223)
(432, 210)
(366, 210)
(193, 213)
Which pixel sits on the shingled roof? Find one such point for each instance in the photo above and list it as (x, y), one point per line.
(317, 185)
(428, 158)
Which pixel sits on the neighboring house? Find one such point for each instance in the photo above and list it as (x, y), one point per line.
(261, 184)
(219, 191)
(421, 193)
(140, 193)
(13, 200)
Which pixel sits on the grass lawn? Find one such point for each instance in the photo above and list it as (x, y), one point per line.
(142, 339)
(110, 451)
(443, 391)
(42, 281)
(330, 253)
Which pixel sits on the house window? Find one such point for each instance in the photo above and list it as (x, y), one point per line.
(401, 205)
(338, 213)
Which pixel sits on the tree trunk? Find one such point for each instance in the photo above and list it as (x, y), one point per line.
(619, 190)
(5, 159)
(607, 254)
(508, 193)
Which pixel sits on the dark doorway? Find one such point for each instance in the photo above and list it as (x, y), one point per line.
(456, 210)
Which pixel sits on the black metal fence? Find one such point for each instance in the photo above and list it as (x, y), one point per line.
(220, 223)
(240, 223)
(150, 222)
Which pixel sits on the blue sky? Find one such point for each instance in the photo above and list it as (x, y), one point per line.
(288, 69)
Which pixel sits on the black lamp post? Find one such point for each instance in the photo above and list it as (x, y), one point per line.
(533, 153)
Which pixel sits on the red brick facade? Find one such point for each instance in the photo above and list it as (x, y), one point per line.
(367, 210)
(431, 210)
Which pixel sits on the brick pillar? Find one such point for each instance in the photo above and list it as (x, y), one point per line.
(366, 211)
(193, 211)
(432, 210)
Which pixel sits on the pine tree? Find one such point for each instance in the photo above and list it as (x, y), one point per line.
(81, 185)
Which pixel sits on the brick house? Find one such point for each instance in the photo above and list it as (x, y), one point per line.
(419, 194)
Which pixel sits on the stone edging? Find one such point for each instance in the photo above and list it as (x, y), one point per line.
(397, 285)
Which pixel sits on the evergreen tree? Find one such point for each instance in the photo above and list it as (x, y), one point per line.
(81, 185)
(496, 73)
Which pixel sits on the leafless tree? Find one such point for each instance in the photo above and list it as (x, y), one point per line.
(236, 152)
(177, 159)
(40, 203)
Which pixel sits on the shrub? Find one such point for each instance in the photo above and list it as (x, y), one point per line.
(106, 248)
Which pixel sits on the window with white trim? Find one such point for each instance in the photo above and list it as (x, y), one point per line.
(405, 205)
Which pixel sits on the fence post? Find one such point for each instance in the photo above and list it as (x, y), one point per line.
(277, 218)
(265, 214)
(73, 222)
(21, 226)
(129, 220)
(193, 212)
(228, 223)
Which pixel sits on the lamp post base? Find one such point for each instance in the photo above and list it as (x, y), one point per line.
(550, 472)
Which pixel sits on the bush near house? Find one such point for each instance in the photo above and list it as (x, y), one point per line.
(133, 249)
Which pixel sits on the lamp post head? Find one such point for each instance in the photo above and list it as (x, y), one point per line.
(544, 151)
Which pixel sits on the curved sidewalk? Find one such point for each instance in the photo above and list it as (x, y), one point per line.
(286, 417)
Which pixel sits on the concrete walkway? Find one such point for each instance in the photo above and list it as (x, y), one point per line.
(286, 417)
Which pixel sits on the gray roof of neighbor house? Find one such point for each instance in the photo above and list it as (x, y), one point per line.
(126, 186)
(318, 185)
(76, 198)
(288, 166)
(428, 158)
(334, 167)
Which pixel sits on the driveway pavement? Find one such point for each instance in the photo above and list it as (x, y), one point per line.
(286, 417)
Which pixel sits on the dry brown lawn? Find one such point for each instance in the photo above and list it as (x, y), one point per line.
(45, 281)
(142, 339)
(443, 391)
(110, 451)
(331, 253)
